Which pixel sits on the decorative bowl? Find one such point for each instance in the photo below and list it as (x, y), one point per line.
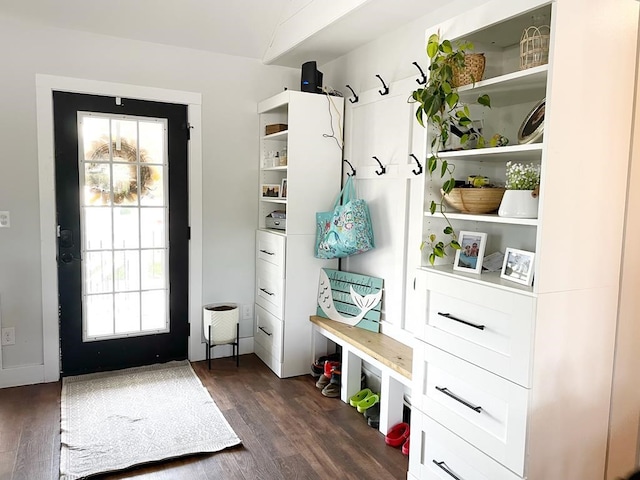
(474, 200)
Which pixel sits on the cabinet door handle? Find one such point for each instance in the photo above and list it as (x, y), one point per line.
(448, 393)
(267, 252)
(262, 328)
(444, 467)
(267, 292)
(456, 319)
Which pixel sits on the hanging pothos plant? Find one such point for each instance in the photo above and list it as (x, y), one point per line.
(439, 103)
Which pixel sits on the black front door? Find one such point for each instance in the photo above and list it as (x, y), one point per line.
(122, 208)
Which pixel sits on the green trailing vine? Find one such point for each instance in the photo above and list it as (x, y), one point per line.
(439, 106)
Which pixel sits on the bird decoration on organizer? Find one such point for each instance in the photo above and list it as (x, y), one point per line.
(338, 299)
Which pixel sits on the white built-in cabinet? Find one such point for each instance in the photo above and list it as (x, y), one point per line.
(509, 381)
(286, 269)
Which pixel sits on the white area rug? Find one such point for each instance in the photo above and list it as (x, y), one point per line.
(114, 420)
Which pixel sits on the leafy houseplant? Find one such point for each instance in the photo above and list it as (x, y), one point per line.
(439, 105)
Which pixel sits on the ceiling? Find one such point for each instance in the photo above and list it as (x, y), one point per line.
(234, 27)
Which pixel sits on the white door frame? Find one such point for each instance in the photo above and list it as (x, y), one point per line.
(45, 85)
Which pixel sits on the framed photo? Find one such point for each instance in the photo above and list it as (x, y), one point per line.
(518, 266)
(533, 125)
(270, 190)
(283, 188)
(469, 257)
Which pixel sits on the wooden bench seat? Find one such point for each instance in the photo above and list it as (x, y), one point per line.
(392, 358)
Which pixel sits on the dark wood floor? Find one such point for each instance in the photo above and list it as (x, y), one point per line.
(288, 431)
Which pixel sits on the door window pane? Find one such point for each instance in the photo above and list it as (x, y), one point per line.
(152, 187)
(99, 315)
(97, 184)
(95, 138)
(152, 142)
(152, 224)
(98, 272)
(153, 269)
(127, 312)
(125, 185)
(154, 316)
(126, 228)
(97, 228)
(126, 270)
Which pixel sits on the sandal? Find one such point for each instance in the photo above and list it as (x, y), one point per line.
(358, 397)
(397, 435)
(368, 402)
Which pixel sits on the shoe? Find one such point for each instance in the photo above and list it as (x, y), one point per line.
(332, 390)
(368, 402)
(372, 415)
(358, 397)
(405, 447)
(336, 375)
(317, 367)
(323, 381)
(397, 435)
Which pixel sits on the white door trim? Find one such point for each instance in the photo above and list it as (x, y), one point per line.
(45, 85)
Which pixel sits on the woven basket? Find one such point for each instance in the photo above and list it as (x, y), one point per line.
(471, 72)
(474, 200)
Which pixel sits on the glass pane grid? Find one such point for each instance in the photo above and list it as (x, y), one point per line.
(125, 224)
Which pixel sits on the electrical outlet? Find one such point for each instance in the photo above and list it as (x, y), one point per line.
(5, 219)
(246, 312)
(9, 336)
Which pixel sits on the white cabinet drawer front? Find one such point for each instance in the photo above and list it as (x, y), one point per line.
(269, 288)
(486, 410)
(438, 454)
(270, 248)
(268, 333)
(490, 328)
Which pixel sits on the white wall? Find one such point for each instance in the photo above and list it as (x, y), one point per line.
(230, 87)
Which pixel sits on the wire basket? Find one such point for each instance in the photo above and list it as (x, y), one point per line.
(471, 72)
(534, 46)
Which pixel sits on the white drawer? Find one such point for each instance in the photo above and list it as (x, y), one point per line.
(269, 287)
(438, 454)
(270, 247)
(268, 333)
(485, 410)
(488, 327)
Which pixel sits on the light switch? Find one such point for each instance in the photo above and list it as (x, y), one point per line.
(5, 220)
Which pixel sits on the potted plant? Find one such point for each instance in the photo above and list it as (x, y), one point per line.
(440, 108)
(520, 200)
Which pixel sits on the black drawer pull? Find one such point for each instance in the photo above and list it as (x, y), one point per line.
(267, 292)
(268, 253)
(262, 328)
(444, 467)
(448, 393)
(456, 319)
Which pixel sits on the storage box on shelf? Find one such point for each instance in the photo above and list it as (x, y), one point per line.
(286, 270)
(503, 386)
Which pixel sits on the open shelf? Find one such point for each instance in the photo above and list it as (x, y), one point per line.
(282, 201)
(527, 152)
(489, 218)
(280, 136)
(487, 278)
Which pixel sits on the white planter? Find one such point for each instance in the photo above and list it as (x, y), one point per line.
(223, 318)
(519, 204)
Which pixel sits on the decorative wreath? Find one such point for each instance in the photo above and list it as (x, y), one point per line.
(125, 190)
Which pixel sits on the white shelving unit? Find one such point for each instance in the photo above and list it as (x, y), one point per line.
(286, 269)
(513, 382)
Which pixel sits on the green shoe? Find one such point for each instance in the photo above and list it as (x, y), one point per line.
(368, 402)
(358, 397)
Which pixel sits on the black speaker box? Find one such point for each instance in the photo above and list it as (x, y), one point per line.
(311, 78)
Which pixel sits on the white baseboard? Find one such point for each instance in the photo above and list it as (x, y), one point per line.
(221, 351)
(16, 377)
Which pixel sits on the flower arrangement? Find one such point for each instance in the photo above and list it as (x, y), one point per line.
(522, 176)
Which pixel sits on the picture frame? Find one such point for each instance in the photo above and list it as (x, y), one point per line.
(283, 188)
(469, 257)
(270, 190)
(518, 266)
(532, 127)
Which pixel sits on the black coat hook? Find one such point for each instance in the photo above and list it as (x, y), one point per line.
(353, 170)
(422, 80)
(355, 97)
(419, 165)
(386, 89)
(383, 169)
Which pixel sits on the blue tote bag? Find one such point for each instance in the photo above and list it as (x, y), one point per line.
(346, 230)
